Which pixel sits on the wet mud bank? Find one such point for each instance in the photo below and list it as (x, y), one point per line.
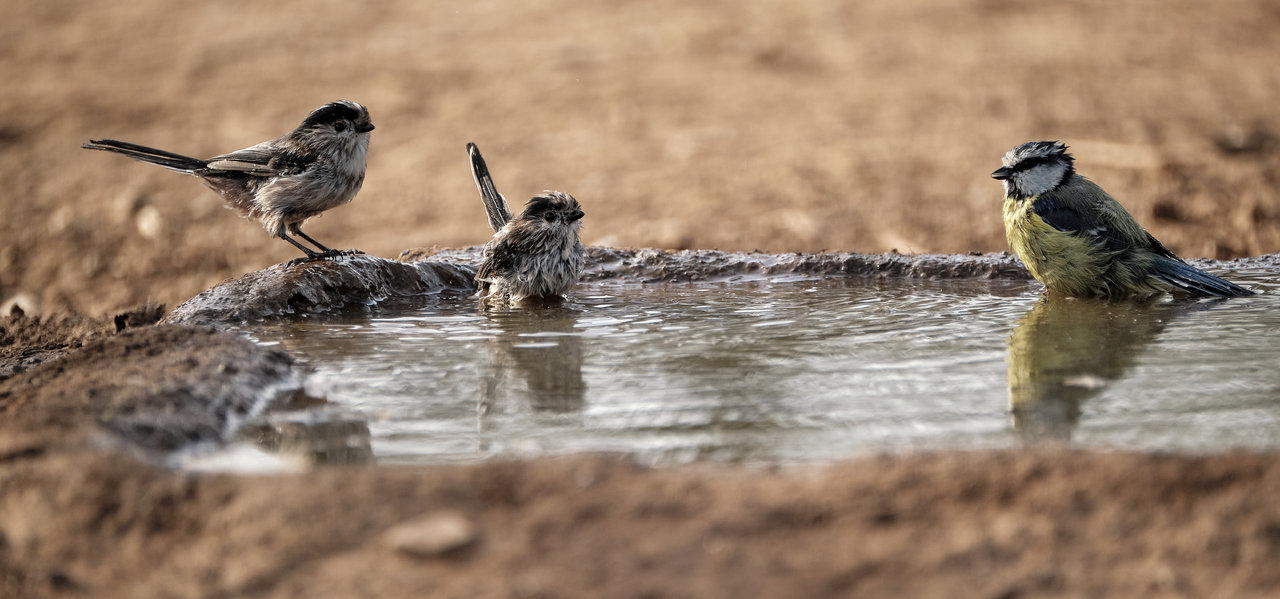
(89, 410)
(153, 388)
(364, 280)
(318, 287)
(323, 286)
(648, 265)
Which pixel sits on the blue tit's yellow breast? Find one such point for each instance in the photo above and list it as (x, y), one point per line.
(1061, 260)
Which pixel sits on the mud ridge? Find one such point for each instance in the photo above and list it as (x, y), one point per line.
(649, 265)
(325, 286)
(321, 286)
(156, 387)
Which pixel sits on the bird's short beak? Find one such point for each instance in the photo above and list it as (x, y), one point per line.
(365, 127)
(1002, 173)
(575, 215)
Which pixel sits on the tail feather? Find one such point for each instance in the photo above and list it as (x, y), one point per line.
(169, 160)
(1195, 281)
(495, 206)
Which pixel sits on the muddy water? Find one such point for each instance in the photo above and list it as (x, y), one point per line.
(788, 371)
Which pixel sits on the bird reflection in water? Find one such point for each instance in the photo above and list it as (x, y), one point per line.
(1067, 350)
(535, 363)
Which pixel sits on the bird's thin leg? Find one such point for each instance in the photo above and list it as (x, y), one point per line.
(306, 250)
(310, 254)
(297, 230)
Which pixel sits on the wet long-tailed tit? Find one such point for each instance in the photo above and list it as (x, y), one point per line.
(534, 256)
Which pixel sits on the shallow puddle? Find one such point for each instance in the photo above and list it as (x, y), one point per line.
(792, 371)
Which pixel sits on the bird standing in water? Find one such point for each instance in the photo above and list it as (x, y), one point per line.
(1079, 241)
(536, 255)
(283, 182)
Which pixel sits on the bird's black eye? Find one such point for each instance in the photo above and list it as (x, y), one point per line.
(550, 216)
(340, 126)
(1030, 163)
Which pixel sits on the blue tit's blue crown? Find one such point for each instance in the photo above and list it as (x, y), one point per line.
(1034, 168)
(1033, 153)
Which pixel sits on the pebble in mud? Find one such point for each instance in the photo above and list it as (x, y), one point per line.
(437, 534)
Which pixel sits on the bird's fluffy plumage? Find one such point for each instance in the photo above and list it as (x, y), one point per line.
(1078, 240)
(283, 182)
(536, 255)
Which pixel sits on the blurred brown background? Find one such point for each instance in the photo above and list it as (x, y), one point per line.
(795, 125)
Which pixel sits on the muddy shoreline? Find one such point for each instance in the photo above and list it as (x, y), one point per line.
(324, 286)
(89, 410)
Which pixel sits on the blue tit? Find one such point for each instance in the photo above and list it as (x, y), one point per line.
(1079, 241)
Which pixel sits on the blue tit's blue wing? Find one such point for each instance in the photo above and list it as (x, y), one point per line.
(1084, 209)
(1078, 218)
(1195, 281)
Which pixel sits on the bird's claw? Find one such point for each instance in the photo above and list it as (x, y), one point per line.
(323, 256)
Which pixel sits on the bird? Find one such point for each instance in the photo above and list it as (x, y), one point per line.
(283, 182)
(1079, 241)
(535, 256)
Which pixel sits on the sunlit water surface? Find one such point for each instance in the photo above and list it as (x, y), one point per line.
(797, 371)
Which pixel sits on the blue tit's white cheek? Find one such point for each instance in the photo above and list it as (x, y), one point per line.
(1042, 178)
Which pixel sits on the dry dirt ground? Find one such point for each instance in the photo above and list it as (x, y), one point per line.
(792, 125)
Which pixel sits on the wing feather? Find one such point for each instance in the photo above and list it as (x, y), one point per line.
(255, 160)
(1084, 209)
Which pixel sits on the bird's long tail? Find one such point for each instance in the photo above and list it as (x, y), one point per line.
(1195, 281)
(494, 204)
(169, 160)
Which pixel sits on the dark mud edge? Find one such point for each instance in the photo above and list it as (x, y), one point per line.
(646, 265)
(317, 287)
(324, 286)
(160, 388)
